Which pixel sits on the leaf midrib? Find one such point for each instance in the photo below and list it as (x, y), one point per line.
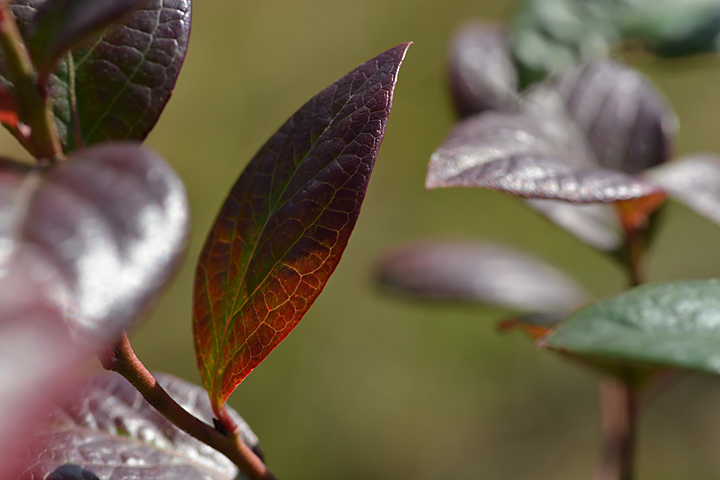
(265, 223)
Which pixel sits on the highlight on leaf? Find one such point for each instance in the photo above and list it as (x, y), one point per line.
(285, 224)
(673, 325)
(99, 234)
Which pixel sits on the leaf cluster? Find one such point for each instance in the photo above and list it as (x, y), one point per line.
(92, 232)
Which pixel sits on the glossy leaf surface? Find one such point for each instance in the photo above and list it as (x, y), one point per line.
(664, 325)
(693, 180)
(115, 86)
(531, 155)
(286, 222)
(482, 73)
(60, 24)
(106, 430)
(475, 272)
(625, 119)
(99, 234)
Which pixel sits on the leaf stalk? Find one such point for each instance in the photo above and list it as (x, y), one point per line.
(122, 359)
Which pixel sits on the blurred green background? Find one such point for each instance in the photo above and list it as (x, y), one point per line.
(375, 387)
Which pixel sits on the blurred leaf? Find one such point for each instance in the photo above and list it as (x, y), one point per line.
(37, 357)
(595, 224)
(671, 28)
(528, 154)
(535, 325)
(626, 121)
(666, 325)
(60, 24)
(477, 272)
(86, 245)
(693, 180)
(549, 36)
(115, 86)
(286, 222)
(106, 430)
(482, 73)
(99, 235)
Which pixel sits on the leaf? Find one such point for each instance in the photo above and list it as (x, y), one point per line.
(595, 224)
(106, 430)
(286, 222)
(60, 24)
(37, 356)
(671, 29)
(665, 325)
(627, 122)
(550, 36)
(115, 86)
(693, 180)
(527, 154)
(482, 73)
(99, 235)
(476, 272)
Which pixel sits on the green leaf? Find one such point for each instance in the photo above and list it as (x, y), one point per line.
(656, 326)
(549, 36)
(671, 28)
(115, 86)
(286, 222)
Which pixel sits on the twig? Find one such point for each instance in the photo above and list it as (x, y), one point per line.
(124, 361)
(618, 403)
(33, 107)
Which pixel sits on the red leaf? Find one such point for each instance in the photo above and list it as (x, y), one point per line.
(285, 224)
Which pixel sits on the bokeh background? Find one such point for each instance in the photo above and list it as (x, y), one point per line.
(370, 386)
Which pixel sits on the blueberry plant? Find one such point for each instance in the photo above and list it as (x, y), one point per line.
(92, 230)
(547, 114)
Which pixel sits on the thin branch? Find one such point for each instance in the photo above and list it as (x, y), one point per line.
(33, 106)
(124, 361)
(619, 405)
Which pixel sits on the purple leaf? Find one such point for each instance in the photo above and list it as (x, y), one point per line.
(482, 73)
(481, 273)
(60, 24)
(286, 222)
(106, 430)
(100, 234)
(116, 85)
(693, 180)
(627, 122)
(528, 154)
(595, 224)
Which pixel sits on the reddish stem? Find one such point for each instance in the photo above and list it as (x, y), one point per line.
(124, 361)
